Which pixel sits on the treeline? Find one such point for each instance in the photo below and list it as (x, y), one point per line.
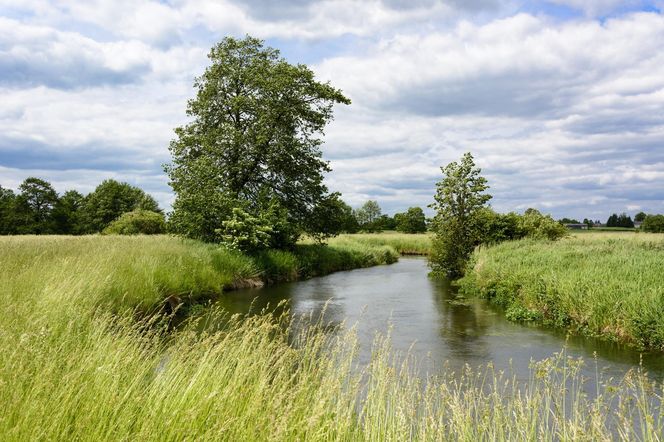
(36, 208)
(369, 218)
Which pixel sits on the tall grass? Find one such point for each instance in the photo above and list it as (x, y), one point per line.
(601, 284)
(404, 243)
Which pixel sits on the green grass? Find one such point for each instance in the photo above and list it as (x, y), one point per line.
(404, 243)
(77, 364)
(602, 284)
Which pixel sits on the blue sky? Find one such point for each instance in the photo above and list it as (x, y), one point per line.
(561, 102)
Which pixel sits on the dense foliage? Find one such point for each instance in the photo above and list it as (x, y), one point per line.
(653, 224)
(136, 222)
(622, 220)
(411, 221)
(253, 144)
(38, 209)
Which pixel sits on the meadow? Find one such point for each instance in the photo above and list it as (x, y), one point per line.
(78, 363)
(600, 284)
(404, 243)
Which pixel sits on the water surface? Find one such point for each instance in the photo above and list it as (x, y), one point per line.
(443, 328)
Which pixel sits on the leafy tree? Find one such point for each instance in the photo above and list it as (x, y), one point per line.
(245, 232)
(640, 217)
(7, 211)
(253, 142)
(568, 221)
(411, 221)
(136, 222)
(110, 200)
(612, 221)
(653, 224)
(333, 216)
(459, 201)
(367, 215)
(67, 213)
(34, 206)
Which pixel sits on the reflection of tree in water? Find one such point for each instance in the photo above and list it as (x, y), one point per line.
(463, 325)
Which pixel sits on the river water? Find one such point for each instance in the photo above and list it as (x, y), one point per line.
(427, 318)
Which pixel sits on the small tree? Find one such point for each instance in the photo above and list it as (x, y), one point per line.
(640, 217)
(459, 200)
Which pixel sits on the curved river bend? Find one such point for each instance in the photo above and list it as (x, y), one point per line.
(443, 328)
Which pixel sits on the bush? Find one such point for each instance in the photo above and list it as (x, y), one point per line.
(245, 232)
(138, 221)
(653, 224)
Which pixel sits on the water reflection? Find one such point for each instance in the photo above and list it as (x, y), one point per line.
(444, 328)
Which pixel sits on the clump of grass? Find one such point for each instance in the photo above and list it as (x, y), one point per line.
(600, 284)
(404, 243)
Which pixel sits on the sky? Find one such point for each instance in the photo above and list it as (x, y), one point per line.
(560, 102)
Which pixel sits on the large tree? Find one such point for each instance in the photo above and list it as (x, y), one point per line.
(253, 142)
(7, 211)
(459, 202)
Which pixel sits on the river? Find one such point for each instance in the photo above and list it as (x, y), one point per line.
(427, 318)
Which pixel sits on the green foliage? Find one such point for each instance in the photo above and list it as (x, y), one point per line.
(34, 206)
(67, 213)
(653, 224)
(622, 220)
(368, 216)
(8, 220)
(598, 284)
(459, 202)
(136, 222)
(245, 232)
(535, 225)
(411, 221)
(110, 200)
(640, 217)
(568, 221)
(331, 217)
(253, 143)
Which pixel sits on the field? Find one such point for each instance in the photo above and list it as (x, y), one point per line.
(404, 243)
(78, 363)
(601, 284)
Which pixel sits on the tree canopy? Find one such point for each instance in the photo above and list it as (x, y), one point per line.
(253, 142)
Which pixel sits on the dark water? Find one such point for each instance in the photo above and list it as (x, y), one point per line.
(443, 328)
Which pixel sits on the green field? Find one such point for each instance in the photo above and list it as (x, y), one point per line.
(404, 243)
(600, 284)
(78, 363)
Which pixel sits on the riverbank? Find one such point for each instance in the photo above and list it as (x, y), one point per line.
(404, 243)
(143, 272)
(608, 285)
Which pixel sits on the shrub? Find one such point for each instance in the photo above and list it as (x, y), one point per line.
(245, 232)
(653, 224)
(136, 222)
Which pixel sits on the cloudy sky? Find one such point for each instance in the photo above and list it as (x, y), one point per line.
(561, 102)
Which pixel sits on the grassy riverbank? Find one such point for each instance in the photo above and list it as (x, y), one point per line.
(404, 243)
(600, 284)
(141, 272)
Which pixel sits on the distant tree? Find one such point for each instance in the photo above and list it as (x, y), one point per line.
(7, 211)
(588, 222)
(640, 217)
(568, 221)
(459, 201)
(34, 206)
(253, 143)
(67, 213)
(368, 215)
(612, 221)
(535, 225)
(331, 217)
(385, 222)
(110, 200)
(624, 220)
(411, 221)
(653, 224)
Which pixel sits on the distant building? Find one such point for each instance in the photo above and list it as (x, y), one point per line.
(637, 224)
(579, 226)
